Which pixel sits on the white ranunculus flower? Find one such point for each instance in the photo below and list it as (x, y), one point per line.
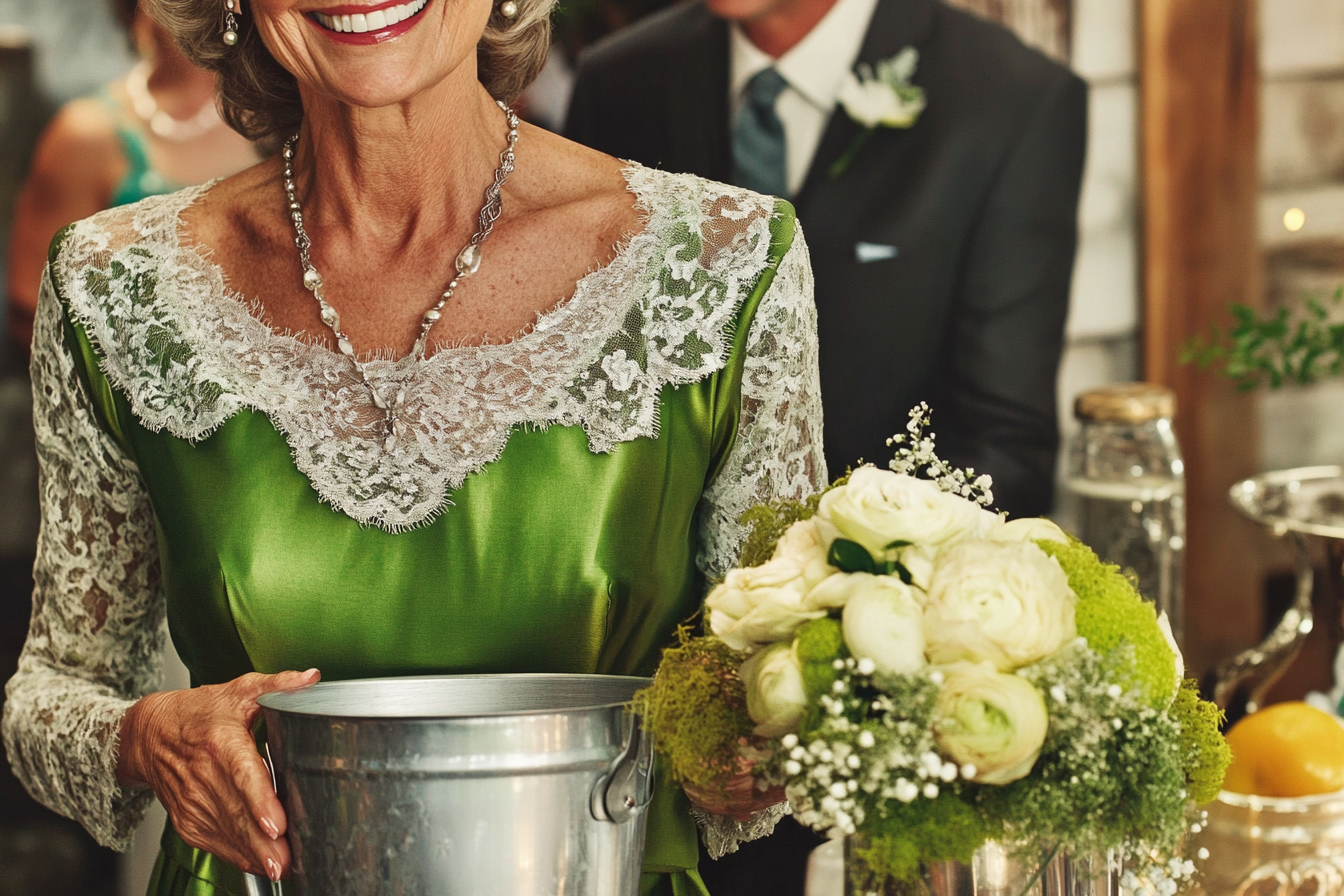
(878, 507)
(776, 698)
(881, 621)
(992, 720)
(1005, 602)
(764, 604)
(918, 560)
(804, 545)
(1035, 528)
(1165, 624)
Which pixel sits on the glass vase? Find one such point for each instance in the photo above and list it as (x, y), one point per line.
(996, 870)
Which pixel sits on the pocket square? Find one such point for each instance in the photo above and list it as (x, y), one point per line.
(864, 252)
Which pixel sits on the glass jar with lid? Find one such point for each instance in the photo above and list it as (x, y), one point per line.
(1126, 485)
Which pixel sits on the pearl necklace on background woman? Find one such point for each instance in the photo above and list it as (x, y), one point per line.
(467, 263)
(175, 130)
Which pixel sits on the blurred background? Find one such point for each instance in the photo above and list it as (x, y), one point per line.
(1215, 174)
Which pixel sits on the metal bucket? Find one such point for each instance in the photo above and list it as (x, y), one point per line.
(470, 785)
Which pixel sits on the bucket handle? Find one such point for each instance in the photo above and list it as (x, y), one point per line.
(627, 786)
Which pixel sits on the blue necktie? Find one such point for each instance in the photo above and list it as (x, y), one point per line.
(758, 137)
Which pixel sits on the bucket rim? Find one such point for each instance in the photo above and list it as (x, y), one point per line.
(285, 701)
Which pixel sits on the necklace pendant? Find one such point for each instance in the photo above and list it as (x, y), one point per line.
(469, 260)
(390, 443)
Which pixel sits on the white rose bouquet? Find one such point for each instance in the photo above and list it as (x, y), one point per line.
(916, 671)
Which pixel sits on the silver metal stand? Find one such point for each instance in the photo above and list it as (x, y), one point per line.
(1293, 504)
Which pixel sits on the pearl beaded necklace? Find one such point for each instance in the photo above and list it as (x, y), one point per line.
(467, 263)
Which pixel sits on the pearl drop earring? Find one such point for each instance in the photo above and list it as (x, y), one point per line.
(230, 24)
(508, 9)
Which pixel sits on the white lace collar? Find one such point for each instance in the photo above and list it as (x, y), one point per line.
(188, 354)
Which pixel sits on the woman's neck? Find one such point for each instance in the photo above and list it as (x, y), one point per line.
(178, 87)
(388, 174)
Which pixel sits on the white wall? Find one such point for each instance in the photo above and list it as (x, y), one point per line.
(1103, 324)
(1302, 166)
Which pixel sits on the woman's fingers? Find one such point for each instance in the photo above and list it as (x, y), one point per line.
(216, 818)
(247, 688)
(195, 748)
(254, 684)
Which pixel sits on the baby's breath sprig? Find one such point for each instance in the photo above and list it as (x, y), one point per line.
(916, 456)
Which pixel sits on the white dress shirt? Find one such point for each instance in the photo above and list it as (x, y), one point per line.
(814, 69)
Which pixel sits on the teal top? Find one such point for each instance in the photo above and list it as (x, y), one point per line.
(140, 180)
(552, 504)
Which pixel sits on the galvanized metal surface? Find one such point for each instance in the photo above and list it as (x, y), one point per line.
(501, 785)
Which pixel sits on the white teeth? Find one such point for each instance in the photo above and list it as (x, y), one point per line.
(360, 23)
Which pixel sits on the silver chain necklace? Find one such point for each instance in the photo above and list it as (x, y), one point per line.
(467, 263)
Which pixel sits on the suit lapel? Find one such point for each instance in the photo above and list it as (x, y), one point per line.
(697, 98)
(896, 24)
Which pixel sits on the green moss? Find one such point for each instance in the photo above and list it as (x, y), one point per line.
(819, 644)
(1112, 613)
(946, 829)
(1205, 751)
(821, 641)
(767, 523)
(696, 710)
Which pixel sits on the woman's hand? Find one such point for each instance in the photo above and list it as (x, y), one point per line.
(195, 749)
(740, 797)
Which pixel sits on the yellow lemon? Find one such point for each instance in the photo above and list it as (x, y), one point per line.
(1288, 749)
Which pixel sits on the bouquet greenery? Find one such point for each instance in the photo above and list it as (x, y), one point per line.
(915, 670)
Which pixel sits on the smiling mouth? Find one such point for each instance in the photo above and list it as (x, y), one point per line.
(371, 21)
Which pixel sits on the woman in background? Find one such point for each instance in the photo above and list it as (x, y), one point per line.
(154, 131)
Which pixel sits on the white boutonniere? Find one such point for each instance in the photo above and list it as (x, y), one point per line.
(880, 96)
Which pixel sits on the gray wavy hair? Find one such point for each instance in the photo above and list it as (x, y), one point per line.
(260, 99)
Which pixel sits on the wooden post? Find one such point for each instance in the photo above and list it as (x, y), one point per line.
(1199, 79)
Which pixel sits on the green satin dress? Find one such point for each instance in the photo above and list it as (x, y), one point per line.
(553, 557)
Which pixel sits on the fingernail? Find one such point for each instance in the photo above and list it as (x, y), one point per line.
(269, 827)
(273, 869)
(311, 671)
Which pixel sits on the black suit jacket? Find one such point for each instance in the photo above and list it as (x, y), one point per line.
(979, 198)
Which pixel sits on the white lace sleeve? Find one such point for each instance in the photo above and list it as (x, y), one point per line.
(98, 621)
(778, 453)
(778, 449)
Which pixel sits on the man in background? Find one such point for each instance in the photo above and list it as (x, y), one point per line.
(942, 248)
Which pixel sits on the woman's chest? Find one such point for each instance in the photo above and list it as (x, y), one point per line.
(549, 558)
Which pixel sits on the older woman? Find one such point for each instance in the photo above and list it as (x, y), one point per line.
(429, 391)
